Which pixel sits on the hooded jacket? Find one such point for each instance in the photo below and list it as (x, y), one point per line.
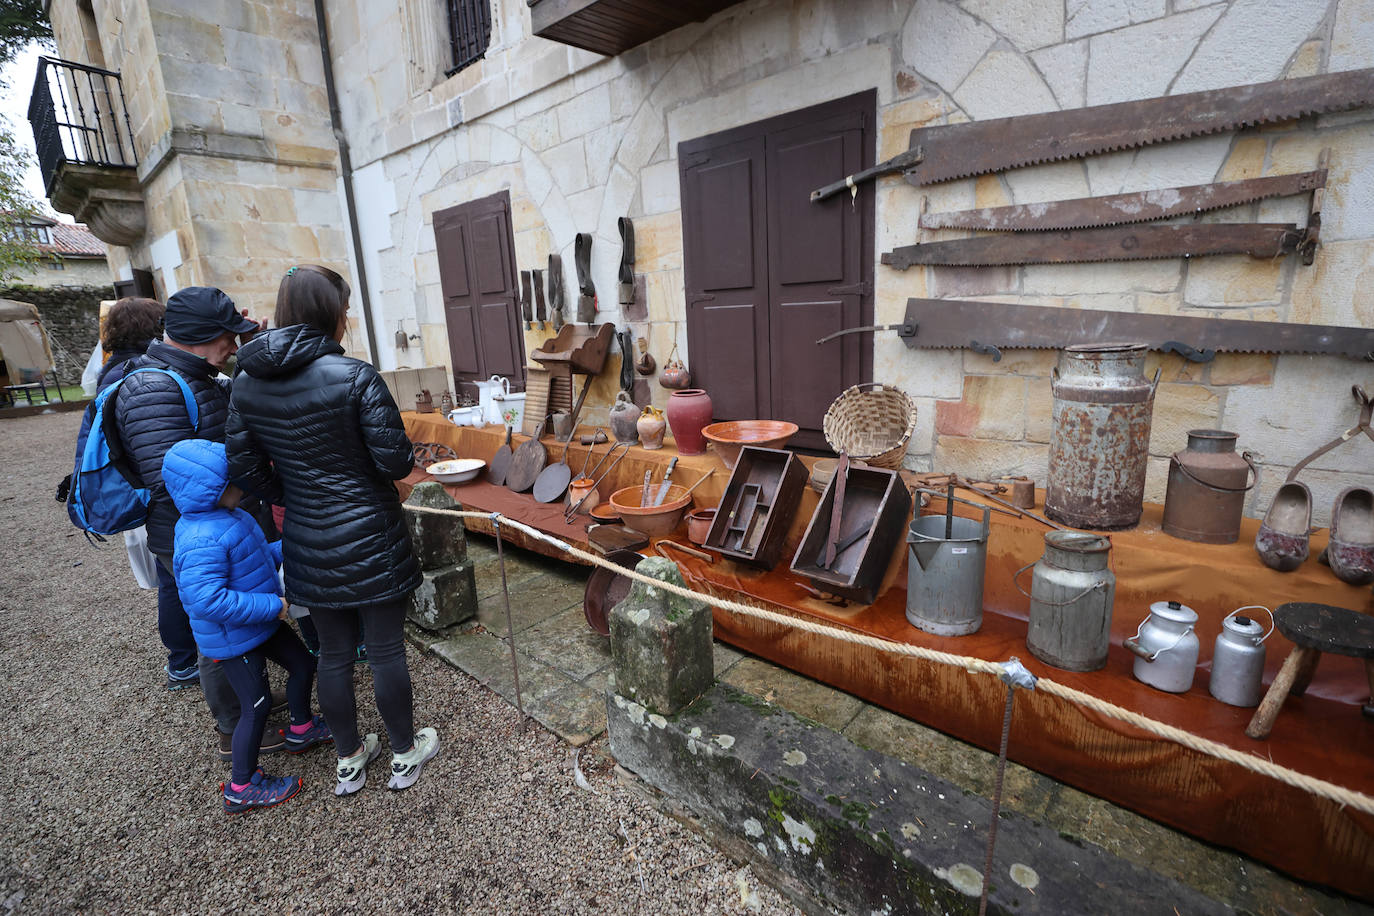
(320, 432)
(225, 569)
(151, 417)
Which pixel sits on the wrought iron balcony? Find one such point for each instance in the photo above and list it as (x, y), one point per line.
(613, 26)
(85, 148)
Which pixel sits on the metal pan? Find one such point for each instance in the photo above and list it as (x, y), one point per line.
(606, 589)
(552, 482)
(526, 463)
(496, 471)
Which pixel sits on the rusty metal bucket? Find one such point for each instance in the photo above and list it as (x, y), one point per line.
(1100, 439)
(1207, 485)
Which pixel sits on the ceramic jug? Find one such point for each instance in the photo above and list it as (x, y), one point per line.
(1238, 658)
(651, 426)
(1166, 646)
(624, 416)
(674, 375)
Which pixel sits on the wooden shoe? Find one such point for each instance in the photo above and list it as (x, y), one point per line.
(1351, 550)
(1282, 539)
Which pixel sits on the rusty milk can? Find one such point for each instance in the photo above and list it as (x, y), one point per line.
(1100, 437)
(1207, 486)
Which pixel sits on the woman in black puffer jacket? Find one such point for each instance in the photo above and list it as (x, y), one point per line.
(319, 431)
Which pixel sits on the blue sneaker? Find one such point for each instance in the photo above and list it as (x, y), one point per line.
(262, 791)
(182, 678)
(318, 733)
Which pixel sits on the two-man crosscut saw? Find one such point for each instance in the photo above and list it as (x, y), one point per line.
(949, 151)
(990, 327)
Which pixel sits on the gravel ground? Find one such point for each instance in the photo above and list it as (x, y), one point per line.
(110, 796)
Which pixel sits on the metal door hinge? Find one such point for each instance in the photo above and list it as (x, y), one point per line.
(862, 288)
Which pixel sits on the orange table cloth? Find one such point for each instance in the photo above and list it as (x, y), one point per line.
(1321, 734)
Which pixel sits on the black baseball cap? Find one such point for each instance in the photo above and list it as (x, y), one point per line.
(199, 314)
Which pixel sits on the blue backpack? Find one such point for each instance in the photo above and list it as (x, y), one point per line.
(105, 495)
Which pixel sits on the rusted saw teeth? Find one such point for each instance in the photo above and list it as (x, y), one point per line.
(1123, 209)
(978, 147)
(1117, 243)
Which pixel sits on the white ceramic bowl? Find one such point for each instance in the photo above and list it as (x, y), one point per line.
(458, 470)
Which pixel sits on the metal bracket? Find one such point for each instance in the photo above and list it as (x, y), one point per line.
(1187, 352)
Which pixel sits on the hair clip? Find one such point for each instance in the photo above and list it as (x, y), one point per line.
(290, 271)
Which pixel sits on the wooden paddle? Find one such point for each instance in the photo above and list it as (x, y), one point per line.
(496, 471)
(527, 462)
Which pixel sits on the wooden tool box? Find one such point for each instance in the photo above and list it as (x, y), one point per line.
(873, 519)
(758, 506)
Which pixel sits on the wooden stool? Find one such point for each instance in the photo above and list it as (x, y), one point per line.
(1314, 629)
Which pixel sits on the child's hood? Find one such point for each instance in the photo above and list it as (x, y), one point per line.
(195, 472)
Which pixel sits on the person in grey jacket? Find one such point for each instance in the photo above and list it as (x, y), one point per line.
(319, 432)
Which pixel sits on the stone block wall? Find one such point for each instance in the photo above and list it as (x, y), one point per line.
(71, 316)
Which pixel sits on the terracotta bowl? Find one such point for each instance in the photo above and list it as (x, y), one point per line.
(605, 512)
(655, 521)
(729, 437)
(699, 525)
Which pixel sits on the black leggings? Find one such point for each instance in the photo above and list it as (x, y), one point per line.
(247, 674)
(386, 655)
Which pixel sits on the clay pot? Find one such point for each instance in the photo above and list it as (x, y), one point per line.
(674, 375)
(699, 525)
(730, 437)
(624, 415)
(581, 487)
(689, 411)
(651, 425)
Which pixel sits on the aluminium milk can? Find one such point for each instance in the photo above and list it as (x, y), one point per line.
(1207, 486)
(1100, 437)
(1238, 658)
(944, 575)
(1166, 647)
(1071, 601)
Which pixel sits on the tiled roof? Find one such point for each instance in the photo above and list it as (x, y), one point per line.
(73, 240)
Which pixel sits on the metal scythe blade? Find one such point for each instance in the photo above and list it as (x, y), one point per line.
(978, 147)
(1119, 209)
(1117, 243)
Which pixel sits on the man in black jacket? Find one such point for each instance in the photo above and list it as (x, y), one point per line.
(202, 328)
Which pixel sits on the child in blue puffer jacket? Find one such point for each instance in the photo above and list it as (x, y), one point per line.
(226, 574)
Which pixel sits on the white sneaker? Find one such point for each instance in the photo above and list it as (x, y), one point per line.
(352, 771)
(405, 768)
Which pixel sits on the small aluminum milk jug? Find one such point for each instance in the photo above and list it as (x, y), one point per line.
(1166, 646)
(1238, 658)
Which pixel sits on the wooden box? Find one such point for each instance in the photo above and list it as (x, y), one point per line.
(758, 506)
(872, 524)
(405, 384)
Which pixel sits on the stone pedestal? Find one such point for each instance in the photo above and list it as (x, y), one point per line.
(661, 643)
(448, 594)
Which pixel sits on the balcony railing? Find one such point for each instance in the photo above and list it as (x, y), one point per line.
(78, 116)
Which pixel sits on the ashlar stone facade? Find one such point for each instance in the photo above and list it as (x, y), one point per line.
(245, 181)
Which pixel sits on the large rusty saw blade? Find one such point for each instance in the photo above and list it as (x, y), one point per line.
(989, 327)
(949, 151)
(1114, 243)
(1119, 209)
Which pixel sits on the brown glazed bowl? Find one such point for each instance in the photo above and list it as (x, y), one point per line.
(729, 437)
(655, 521)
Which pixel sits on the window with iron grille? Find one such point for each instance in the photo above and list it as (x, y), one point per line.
(469, 29)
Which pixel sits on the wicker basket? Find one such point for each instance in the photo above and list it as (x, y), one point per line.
(872, 422)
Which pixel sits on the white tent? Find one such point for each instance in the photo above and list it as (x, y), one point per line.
(23, 342)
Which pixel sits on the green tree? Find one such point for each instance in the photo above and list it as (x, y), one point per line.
(21, 24)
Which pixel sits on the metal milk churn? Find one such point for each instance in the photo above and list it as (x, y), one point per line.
(1166, 646)
(944, 573)
(1207, 486)
(1238, 658)
(1100, 438)
(1071, 601)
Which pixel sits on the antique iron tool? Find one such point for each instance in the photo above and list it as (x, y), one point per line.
(1135, 207)
(949, 151)
(952, 323)
(1113, 243)
(541, 312)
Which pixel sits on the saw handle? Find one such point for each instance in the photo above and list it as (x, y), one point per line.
(1187, 352)
(986, 350)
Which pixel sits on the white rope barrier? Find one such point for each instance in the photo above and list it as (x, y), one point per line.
(1310, 784)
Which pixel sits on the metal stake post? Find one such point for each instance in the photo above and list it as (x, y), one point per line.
(1016, 676)
(510, 627)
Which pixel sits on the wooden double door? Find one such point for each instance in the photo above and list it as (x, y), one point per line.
(477, 274)
(768, 272)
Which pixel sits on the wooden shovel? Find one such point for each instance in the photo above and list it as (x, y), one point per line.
(526, 463)
(500, 462)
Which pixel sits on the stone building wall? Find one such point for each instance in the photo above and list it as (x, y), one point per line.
(71, 272)
(580, 140)
(71, 316)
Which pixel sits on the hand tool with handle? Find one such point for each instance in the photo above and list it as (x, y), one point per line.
(832, 540)
(496, 472)
(667, 482)
(644, 492)
(541, 312)
(571, 511)
(526, 463)
(526, 300)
